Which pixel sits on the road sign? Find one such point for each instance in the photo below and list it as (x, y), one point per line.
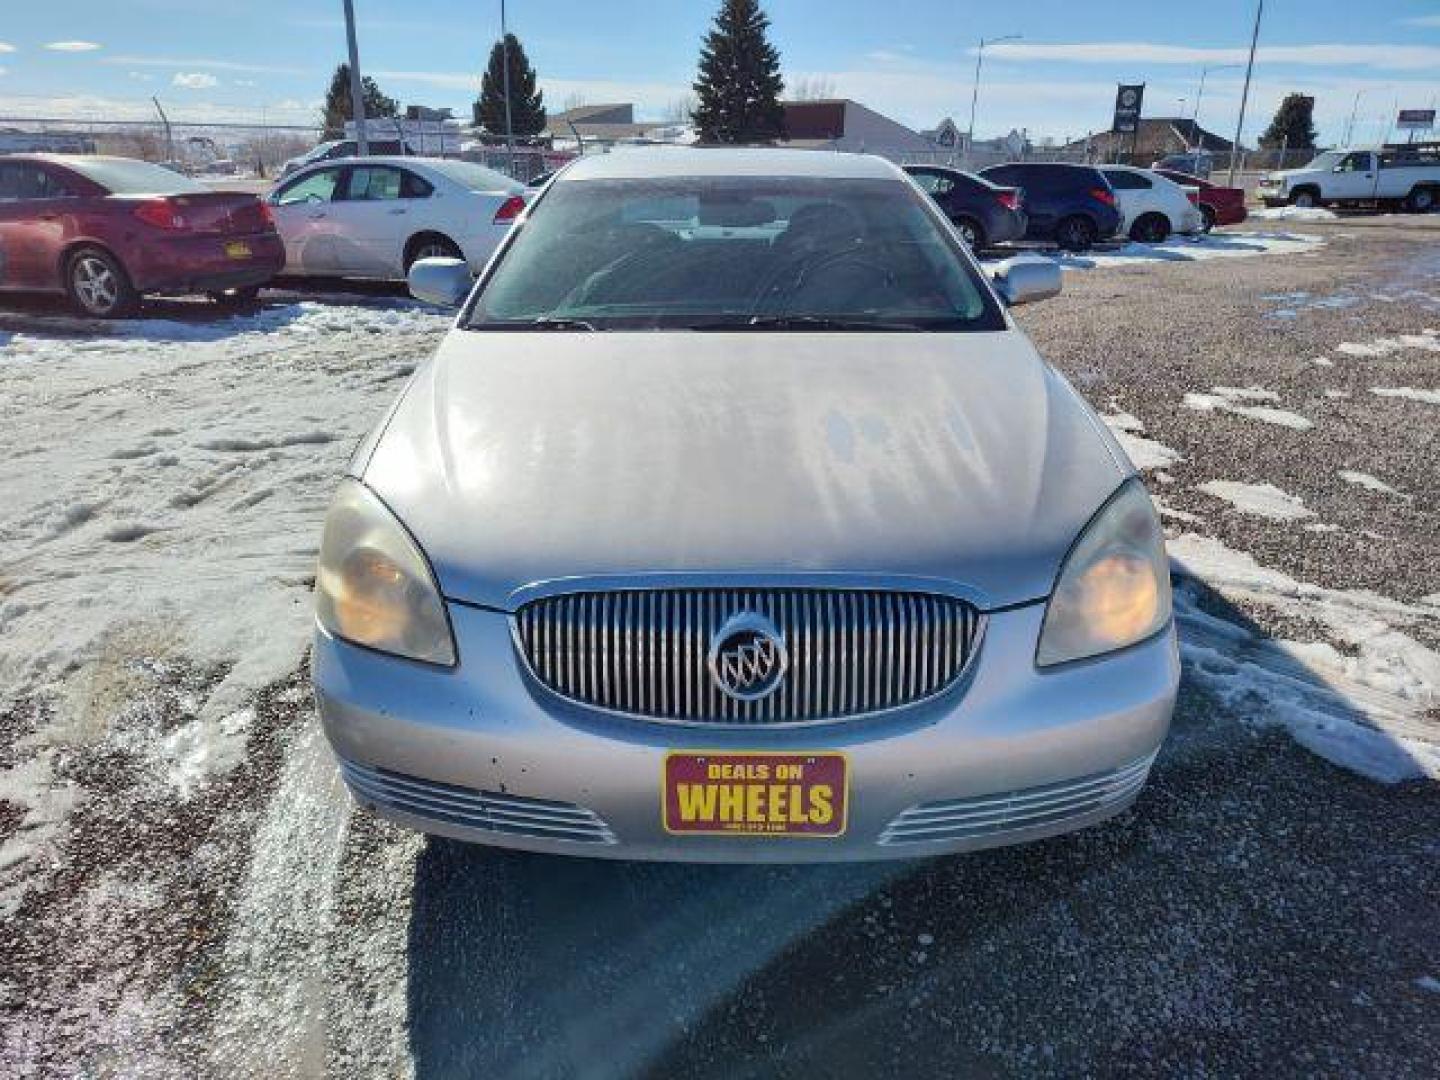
(1416, 119)
(1127, 108)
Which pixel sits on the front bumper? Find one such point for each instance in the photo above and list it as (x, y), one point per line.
(483, 753)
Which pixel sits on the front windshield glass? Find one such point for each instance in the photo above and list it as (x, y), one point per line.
(720, 253)
(1327, 160)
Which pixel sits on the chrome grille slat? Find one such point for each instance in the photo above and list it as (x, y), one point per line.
(645, 652)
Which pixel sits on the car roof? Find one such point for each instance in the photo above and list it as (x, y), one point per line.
(660, 162)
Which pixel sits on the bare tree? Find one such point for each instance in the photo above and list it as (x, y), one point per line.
(679, 110)
(811, 88)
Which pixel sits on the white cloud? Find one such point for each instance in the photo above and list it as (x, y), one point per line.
(194, 80)
(141, 76)
(82, 107)
(4, 70)
(1137, 53)
(72, 46)
(213, 65)
(5, 47)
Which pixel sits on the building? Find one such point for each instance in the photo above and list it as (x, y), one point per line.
(842, 124)
(1156, 137)
(607, 125)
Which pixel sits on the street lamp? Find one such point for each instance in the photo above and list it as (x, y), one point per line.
(1200, 93)
(975, 92)
(1245, 93)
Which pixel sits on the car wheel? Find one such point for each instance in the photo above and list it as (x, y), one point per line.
(431, 246)
(1207, 215)
(1151, 229)
(98, 285)
(1421, 200)
(972, 232)
(1075, 233)
(1304, 198)
(236, 298)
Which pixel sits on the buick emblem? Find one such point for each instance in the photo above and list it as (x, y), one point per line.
(747, 657)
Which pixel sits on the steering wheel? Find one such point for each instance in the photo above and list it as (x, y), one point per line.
(807, 266)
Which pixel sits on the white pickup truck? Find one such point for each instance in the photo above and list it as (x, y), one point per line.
(1394, 176)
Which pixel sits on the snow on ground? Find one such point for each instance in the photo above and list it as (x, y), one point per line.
(165, 480)
(1226, 245)
(1409, 393)
(1428, 340)
(1262, 500)
(1242, 401)
(1144, 453)
(1368, 482)
(1360, 705)
(1293, 213)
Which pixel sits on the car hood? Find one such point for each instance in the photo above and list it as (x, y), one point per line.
(961, 461)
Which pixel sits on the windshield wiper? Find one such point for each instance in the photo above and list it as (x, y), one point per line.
(544, 322)
(807, 322)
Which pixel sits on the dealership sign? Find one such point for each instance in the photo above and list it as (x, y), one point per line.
(1127, 108)
(1416, 119)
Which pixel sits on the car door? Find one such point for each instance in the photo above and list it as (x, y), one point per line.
(374, 219)
(1353, 178)
(35, 205)
(302, 207)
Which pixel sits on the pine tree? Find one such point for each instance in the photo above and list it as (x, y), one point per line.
(527, 104)
(1293, 126)
(739, 83)
(337, 102)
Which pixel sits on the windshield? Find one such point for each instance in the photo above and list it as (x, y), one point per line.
(1327, 160)
(475, 177)
(123, 176)
(723, 253)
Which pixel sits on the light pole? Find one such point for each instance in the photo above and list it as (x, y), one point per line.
(1200, 93)
(505, 79)
(357, 97)
(1245, 93)
(1350, 126)
(975, 91)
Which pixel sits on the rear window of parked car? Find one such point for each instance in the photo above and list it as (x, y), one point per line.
(733, 253)
(122, 176)
(476, 177)
(1044, 177)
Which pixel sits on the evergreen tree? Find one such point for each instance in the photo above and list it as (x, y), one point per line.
(1293, 126)
(527, 104)
(337, 102)
(739, 83)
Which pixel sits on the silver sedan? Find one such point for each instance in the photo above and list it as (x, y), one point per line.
(735, 520)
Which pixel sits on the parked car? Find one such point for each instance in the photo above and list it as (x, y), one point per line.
(107, 230)
(1072, 205)
(336, 149)
(1397, 176)
(774, 543)
(372, 217)
(1199, 163)
(1153, 207)
(983, 213)
(1218, 205)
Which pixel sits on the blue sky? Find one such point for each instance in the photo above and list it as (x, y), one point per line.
(912, 60)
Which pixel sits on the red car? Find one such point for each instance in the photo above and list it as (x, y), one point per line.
(1219, 205)
(106, 230)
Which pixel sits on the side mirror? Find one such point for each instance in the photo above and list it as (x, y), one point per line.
(1026, 278)
(445, 282)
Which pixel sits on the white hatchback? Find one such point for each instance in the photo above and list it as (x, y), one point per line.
(372, 217)
(1152, 206)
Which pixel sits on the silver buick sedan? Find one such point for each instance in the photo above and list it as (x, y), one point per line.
(736, 520)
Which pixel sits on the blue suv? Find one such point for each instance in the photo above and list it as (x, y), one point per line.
(1073, 205)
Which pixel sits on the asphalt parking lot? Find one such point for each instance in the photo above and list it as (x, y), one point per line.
(1268, 906)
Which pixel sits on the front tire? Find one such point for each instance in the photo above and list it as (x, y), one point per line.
(973, 233)
(1207, 215)
(1075, 233)
(1305, 199)
(1421, 200)
(98, 285)
(1151, 229)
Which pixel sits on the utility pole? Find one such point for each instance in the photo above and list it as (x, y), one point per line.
(169, 138)
(505, 78)
(1200, 93)
(975, 91)
(1350, 124)
(1245, 94)
(357, 94)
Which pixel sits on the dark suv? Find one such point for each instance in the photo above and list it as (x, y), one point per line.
(983, 213)
(1072, 205)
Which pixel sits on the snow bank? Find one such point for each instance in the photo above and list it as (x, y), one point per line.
(1427, 341)
(1262, 500)
(1293, 213)
(1144, 453)
(1243, 402)
(1368, 482)
(1409, 393)
(1361, 706)
(1227, 245)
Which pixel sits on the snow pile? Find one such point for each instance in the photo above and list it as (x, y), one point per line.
(1243, 402)
(1361, 706)
(1368, 482)
(1293, 213)
(165, 482)
(1227, 245)
(1261, 500)
(1409, 393)
(1144, 453)
(1427, 340)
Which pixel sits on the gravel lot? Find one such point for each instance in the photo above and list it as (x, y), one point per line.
(1262, 909)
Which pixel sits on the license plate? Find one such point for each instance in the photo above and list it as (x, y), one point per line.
(730, 793)
(237, 249)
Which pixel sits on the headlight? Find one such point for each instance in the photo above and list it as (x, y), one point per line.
(1114, 587)
(374, 587)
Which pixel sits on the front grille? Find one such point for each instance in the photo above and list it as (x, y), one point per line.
(1012, 811)
(493, 811)
(646, 652)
